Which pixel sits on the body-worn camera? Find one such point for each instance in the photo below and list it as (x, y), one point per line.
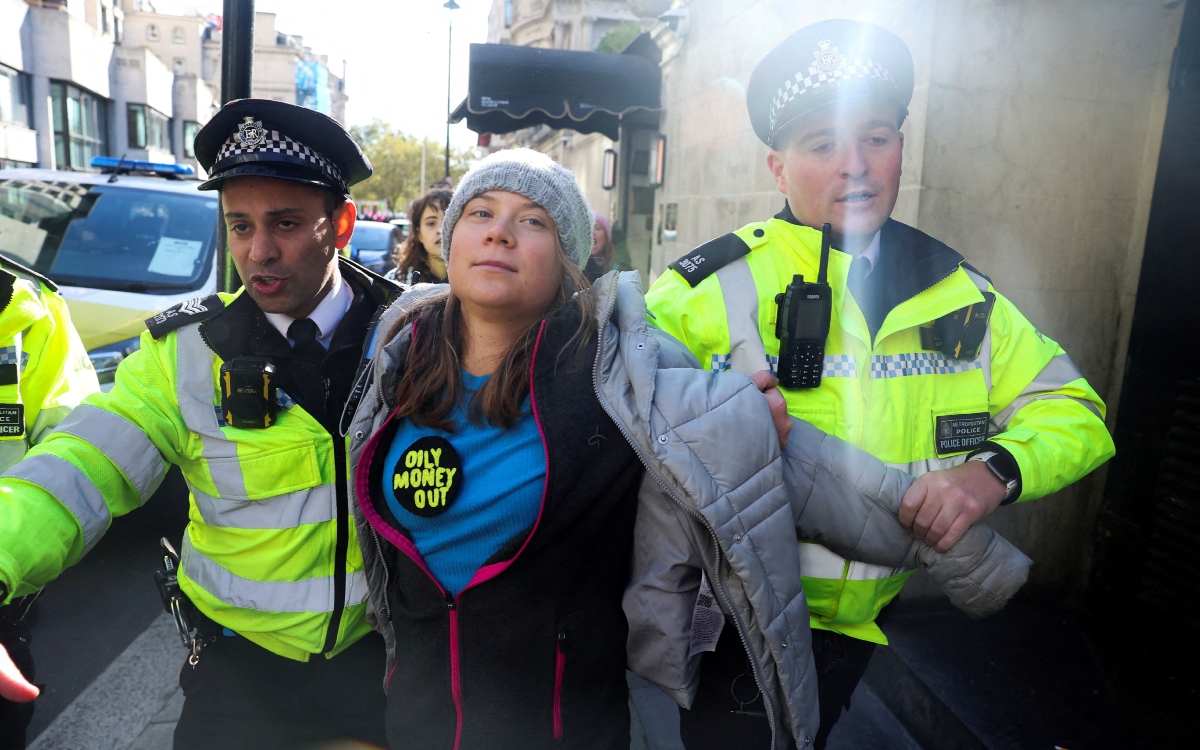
(959, 335)
(802, 325)
(248, 397)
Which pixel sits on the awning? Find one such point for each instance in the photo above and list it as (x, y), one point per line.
(515, 87)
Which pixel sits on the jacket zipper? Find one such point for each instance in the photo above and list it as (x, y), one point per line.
(452, 602)
(341, 544)
(729, 608)
(560, 668)
(387, 606)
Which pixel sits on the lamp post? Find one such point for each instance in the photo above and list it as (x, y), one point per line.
(449, 5)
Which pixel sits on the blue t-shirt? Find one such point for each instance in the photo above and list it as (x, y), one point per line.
(463, 495)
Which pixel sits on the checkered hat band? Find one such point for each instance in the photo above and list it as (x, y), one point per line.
(291, 150)
(812, 80)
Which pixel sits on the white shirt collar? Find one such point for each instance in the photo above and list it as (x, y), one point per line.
(327, 315)
(871, 252)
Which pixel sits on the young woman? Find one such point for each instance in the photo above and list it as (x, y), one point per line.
(603, 256)
(516, 426)
(422, 249)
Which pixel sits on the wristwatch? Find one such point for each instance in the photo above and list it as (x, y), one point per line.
(1002, 472)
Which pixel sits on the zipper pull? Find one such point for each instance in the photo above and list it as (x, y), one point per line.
(562, 641)
(450, 601)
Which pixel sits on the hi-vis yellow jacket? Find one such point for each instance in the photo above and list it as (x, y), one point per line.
(44, 370)
(270, 550)
(915, 409)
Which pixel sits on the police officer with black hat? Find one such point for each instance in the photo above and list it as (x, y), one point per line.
(247, 394)
(881, 336)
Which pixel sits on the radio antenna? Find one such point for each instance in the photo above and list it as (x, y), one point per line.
(826, 236)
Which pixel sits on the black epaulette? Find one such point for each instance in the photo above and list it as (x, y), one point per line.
(10, 265)
(709, 258)
(193, 311)
(977, 272)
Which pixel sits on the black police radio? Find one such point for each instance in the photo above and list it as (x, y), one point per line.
(248, 398)
(802, 324)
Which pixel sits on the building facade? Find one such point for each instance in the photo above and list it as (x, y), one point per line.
(87, 78)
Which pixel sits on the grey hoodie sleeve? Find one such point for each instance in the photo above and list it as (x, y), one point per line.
(847, 500)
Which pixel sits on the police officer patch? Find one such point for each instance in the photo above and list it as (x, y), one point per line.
(427, 477)
(12, 420)
(958, 433)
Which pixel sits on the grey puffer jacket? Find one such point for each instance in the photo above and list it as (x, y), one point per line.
(714, 499)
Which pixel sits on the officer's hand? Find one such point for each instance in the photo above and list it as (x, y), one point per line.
(13, 684)
(766, 383)
(941, 505)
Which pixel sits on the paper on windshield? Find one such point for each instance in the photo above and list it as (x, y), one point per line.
(175, 257)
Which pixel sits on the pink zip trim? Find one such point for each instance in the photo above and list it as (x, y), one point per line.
(455, 680)
(560, 666)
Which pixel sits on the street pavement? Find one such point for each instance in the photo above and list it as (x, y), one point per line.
(109, 656)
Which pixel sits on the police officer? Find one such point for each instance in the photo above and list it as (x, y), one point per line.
(246, 394)
(44, 373)
(925, 364)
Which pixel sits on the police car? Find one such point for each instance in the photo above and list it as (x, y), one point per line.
(122, 244)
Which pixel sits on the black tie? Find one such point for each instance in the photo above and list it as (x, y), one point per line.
(306, 347)
(862, 292)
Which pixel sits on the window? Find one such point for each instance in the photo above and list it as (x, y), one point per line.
(189, 138)
(151, 33)
(103, 19)
(508, 13)
(111, 237)
(178, 36)
(14, 97)
(80, 126)
(118, 33)
(148, 128)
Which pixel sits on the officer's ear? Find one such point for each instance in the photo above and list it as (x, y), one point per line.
(778, 166)
(343, 223)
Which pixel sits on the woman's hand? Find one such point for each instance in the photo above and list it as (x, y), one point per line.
(13, 684)
(766, 383)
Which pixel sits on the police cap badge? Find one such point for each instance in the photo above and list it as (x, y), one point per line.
(265, 138)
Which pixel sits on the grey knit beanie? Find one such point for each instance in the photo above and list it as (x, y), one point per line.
(540, 179)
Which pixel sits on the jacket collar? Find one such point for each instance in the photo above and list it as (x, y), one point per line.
(910, 263)
(241, 327)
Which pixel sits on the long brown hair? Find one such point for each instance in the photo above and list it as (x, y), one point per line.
(412, 254)
(432, 382)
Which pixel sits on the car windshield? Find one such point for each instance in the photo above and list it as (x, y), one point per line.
(372, 237)
(109, 237)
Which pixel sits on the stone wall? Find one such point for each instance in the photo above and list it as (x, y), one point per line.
(1030, 147)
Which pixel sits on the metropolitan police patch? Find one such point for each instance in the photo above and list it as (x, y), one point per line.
(959, 433)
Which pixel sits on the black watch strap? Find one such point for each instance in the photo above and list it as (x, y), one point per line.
(1003, 465)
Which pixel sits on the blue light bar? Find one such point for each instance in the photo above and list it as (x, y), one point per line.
(133, 165)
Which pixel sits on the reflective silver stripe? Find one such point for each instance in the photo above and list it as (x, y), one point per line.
(1054, 376)
(306, 595)
(194, 391)
(926, 465)
(72, 488)
(316, 505)
(747, 354)
(985, 350)
(121, 442)
(818, 562)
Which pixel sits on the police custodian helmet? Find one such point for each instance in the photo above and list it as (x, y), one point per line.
(827, 62)
(266, 138)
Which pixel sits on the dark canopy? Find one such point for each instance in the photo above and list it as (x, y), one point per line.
(516, 87)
